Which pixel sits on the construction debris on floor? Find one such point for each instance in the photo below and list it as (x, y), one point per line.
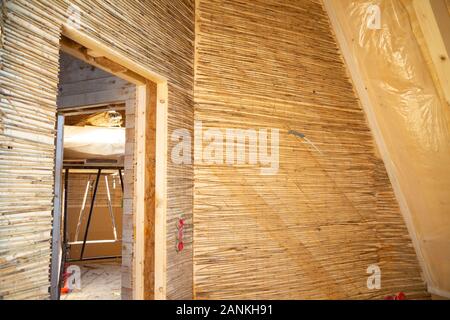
(99, 281)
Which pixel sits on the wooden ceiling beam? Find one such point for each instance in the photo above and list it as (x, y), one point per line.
(94, 53)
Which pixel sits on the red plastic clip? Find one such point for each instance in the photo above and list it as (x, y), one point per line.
(180, 234)
(398, 296)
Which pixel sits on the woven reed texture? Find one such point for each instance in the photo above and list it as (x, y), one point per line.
(312, 230)
(157, 34)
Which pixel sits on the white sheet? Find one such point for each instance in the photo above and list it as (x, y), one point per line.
(93, 142)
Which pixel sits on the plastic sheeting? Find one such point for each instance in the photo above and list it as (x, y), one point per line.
(412, 116)
(93, 142)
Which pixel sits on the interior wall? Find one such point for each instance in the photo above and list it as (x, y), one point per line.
(158, 35)
(313, 229)
(409, 105)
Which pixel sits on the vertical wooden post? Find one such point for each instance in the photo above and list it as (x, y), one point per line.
(434, 21)
(149, 199)
(145, 191)
(139, 214)
(161, 191)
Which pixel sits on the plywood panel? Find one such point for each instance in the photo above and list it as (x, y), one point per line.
(312, 229)
(128, 235)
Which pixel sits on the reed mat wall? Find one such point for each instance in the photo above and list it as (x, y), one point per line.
(157, 34)
(313, 229)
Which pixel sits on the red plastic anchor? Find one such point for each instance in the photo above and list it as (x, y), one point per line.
(398, 296)
(180, 234)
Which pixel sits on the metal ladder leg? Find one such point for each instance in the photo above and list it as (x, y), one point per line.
(111, 213)
(91, 209)
(83, 206)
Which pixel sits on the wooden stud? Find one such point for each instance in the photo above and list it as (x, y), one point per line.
(434, 20)
(161, 192)
(94, 54)
(139, 248)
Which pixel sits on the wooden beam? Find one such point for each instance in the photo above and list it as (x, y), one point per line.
(93, 44)
(71, 47)
(139, 214)
(434, 20)
(108, 64)
(91, 111)
(94, 53)
(161, 192)
(149, 200)
(151, 155)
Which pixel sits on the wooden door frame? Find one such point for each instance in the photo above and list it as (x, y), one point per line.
(150, 192)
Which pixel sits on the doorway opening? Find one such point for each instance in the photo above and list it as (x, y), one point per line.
(110, 175)
(96, 108)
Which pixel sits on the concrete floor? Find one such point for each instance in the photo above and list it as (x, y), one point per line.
(99, 281)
